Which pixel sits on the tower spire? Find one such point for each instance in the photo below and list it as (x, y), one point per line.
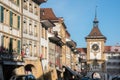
(95, 22)
(96, 12)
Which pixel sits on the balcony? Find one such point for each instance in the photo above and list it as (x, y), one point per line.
(6, 55)
(113, 67)
(71, 44)
(30, 36)
(47, 23)
(10, 57)
(30, 57)
(56, 40)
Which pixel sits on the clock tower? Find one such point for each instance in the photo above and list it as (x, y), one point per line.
(95, 48)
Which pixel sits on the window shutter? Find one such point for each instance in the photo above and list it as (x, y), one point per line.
(18, 22)
(1, 14)
(18, 49)
(17, 2)
(11, 19)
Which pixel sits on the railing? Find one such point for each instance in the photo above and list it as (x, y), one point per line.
(115, 67)
(6, 55)
(114, 60)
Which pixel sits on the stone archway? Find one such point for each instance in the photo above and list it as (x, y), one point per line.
(29, 68)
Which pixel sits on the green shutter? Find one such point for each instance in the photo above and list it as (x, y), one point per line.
(18, 2)
(18, 22)
(11, 46)
(11, 19)
(1, 14)
(18, 49)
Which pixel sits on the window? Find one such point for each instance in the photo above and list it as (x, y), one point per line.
(15, 2)
(35, 10)
(25, 26)
(45, 52)
(11, 46)
(35, 49)
(6, 16)
(25, 4)
(30, 47)
(5, 42)
(1, 14)
(14, 45)
(2, 38)
(30, 27)
(45, 34)
(35, 30)
(18, 2)
(24, 43)
(30, 7)
(14, 20)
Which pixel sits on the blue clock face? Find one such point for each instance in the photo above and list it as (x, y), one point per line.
(95, 47)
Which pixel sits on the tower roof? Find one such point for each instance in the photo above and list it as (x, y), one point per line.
(95, 32)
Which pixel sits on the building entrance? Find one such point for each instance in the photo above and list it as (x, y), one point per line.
(8, 71)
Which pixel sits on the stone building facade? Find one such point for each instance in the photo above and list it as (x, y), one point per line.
(20, 38)
(112, 61)
(34, 41)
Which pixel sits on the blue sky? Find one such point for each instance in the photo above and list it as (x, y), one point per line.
(79, 15)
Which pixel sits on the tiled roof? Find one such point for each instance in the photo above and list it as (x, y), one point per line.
(95, 33)
(107, 48)
(112, 49)
(47, 14)
(67, 34)
(39, 1)
(82, 50)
